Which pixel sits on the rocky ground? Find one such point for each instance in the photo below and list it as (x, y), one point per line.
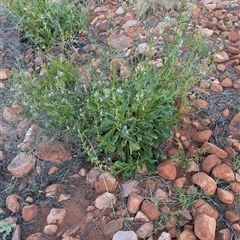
(50, 192)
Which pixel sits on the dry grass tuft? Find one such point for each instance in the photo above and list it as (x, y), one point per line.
(144, 7)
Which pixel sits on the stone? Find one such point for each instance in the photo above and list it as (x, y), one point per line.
(199, 103)
(204, 181)
(205, 227)
(150, 210)
(167, 170)
(225, 196)
(106, 183)
(125, 235)
(4, 74)
(235, 186)
(213, 149)
(233, 50)
(221, 67)
(29, 212)
(112, 227)
(29, 139)
(226, 112)
(205, 32)
(22, 164)
(144, 49)
(237, 69)
(224, 234)
(180, 182)
(200, 206)
(145, 230)
(105, 200)
(160, 195)
(134, 202)
(233, 36)
(210, 162)
(92, 176)
(221, 57)
(119, 11)
(192, 167)
(215, 87)
(129, 187)
(83, 172)
(100, 9)
(11, 114)
(165, 236)
(50, 229)
(120, 42)
(223, 171)
(187, 235)
(234, 126)
(51, 152)
(51, 189)
(232, 216)
(202, 136)
(64, 197)
(56, 216)
(13, 203)
(53, 170)
(141, 217)
(236, 227)
(2, 155)
(16, 233)
(39, 236)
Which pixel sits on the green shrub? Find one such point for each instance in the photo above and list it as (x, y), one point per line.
(47, 23)
(125, 118)
(54, 100)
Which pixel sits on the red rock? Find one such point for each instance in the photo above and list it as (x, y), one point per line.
(92, 176)
(101, 9)
(29, 212)
(4, 74)
(179, 182)
(227, 82)
(120, 42)
(234, 126)
(233, 36)
(199, 103)
(210, 162)
(202, 136)
(167, 170)
(221, 67)
(50, 229)
(39, 236)
(145, 230)
(56, 216)
(106, 183)
(187, 235)
(213, 149)
(236, 227)
(150, 210)
(12, 114)
(226, 113)
(160, 195)
(22, 164)
(112, 227)
(237, 69)
(13, 203)
(129, 187)
(235, 186)
(105, 200)
(134, 202)
(225, 196)
(223, 171)
(224, 234)
(232, 216)
(215, 87)
(233, 50)
(204, 181)
(221, 57)
(52, 152)
(205, 227)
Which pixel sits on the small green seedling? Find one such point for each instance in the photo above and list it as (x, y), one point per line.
(6, 229)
